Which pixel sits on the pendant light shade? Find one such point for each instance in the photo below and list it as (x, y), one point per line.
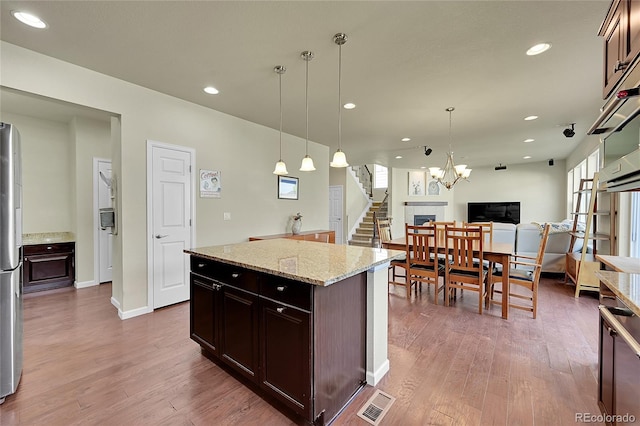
(339, 159)
(281, 168)
(307, 162)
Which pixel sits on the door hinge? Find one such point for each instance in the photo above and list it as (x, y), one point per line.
(190, 222)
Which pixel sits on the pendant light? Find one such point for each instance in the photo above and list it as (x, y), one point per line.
(307, 162)
(339, 159)
(281, 168)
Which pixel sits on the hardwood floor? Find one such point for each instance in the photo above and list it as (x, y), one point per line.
(449, 366)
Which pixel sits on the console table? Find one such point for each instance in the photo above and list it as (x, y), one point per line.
(317, 235)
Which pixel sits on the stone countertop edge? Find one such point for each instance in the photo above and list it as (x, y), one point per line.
(37, 238)
(205, 253)
(624, 285)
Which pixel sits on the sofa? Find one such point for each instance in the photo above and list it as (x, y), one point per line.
(525, 240)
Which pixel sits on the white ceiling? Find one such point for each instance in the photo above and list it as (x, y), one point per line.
(404, 63)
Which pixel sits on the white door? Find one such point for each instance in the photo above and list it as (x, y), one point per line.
(335, 211)
(105, 239)
(171, 218)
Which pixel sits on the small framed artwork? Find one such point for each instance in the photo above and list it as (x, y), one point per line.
(288, 187)
(417, 183)
(434, 187)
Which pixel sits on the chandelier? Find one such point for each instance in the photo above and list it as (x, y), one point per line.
(450, 174)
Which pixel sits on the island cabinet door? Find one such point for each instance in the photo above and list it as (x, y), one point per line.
(286, 355)
(204, 312)
(239, 331)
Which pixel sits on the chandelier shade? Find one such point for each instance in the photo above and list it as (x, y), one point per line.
(451, 173)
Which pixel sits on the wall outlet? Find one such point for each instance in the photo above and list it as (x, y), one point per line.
(227, 215)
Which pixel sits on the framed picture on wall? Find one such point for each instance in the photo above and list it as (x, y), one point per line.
(417, 182)
(287, 188)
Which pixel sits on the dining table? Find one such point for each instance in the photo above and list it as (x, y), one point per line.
(495, 252)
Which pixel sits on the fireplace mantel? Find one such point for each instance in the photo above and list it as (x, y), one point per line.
(426, 203)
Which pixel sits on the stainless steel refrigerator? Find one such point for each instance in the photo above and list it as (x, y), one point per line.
(10, 260)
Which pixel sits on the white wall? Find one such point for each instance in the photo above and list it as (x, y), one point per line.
(244, 152)
(46, 173)
(540, 189)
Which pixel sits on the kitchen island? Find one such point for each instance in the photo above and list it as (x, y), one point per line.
(302, 323)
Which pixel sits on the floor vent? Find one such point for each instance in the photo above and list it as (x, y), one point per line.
(376, 407)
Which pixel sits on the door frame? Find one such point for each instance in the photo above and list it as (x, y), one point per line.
(96, 225)
(192, 152)
(341, 187)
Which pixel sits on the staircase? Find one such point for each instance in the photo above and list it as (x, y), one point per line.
(364, 235)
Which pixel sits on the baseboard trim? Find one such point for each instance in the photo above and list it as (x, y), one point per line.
(124, 315)
(115, 303)
(85, 284)
(373, 377)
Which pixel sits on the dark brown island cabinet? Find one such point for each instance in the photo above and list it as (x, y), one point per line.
(48, 266)
(299, 344)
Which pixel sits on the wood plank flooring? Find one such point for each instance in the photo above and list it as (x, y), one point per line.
(449, 366)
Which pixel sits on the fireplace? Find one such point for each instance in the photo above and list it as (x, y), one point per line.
(421, 219)
(419, 212)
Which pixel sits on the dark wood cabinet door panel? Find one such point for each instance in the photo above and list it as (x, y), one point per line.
(286, 355)
(48, 266)
(204, 311)
(239, 330)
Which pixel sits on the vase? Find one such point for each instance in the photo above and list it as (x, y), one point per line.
(295, 228)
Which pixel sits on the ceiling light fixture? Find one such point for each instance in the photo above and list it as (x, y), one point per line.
(281, 168)
(339, 159)
(538, 49)
(569, 133)
(427, 151)
(531, 117)
(405, 139)
(307, 162)
(398, 157)
(349, 105)
(211, 90)
(450, 174)
(526, 157)
(529, 140)
(29, 19)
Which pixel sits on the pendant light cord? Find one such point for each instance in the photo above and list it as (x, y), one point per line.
(280, 88)
(450, 109)
(306, 101)
(339, 97)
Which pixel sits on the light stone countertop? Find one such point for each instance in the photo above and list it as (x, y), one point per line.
(307, 261)
(625, 286)
(47, 238)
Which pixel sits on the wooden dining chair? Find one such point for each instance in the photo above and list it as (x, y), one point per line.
(463, 271)
(383, 226)
(524, 273)
(422, 259)
(487, 237)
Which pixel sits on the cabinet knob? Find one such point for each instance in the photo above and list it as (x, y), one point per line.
(200, 265)
(49, 247)
(280, 309)
(281, 288)
(235, 275)
(217, 287)
(620, 65)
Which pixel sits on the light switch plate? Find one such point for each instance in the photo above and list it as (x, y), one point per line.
(227, 215)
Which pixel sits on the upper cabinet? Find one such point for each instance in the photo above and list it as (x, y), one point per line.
(621, 32)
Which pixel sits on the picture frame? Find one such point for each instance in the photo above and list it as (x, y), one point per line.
(288, 187)
(417, 183)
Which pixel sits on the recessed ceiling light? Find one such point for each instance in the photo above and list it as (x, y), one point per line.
(529, 140)
(349, 105)
(398, 157)
(29, 19)
(405, 139)
(531, 117)
(526, 157)
(211, 90)
(538, 49)
(423, 167)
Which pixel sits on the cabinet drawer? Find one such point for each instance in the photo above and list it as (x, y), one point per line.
(49, 248)
(226, 274)
(286, 291)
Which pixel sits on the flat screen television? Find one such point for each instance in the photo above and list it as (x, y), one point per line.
(505, 212)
